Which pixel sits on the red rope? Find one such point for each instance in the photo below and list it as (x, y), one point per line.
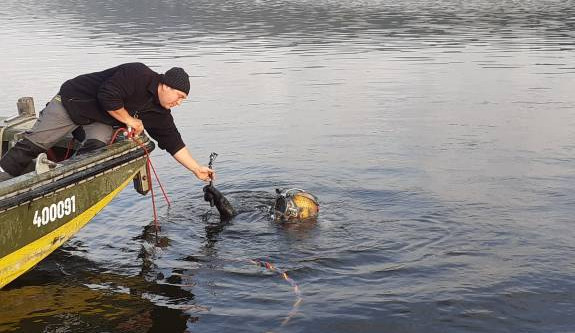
(269, 266)
(150, 185)
(130, 135)
(68, 149)
(121, 129)
(272, 268)
(155, 173)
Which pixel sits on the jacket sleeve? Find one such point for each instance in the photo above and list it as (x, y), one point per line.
(165, 132)
(119, 86)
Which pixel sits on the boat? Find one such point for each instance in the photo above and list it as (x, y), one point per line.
(42, 209)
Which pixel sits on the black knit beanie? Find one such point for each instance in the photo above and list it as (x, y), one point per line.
(177, 78)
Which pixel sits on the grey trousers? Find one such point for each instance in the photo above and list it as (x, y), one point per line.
(54, 123)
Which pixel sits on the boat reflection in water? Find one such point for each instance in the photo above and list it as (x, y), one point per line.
(40, 302)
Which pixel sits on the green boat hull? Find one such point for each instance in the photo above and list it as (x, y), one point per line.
(39, 213)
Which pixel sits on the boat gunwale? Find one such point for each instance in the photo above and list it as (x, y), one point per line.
(17, 191)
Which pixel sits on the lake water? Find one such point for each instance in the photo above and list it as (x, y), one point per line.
(437, 134)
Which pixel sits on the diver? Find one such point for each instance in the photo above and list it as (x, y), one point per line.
(290, 204)
(295, 204)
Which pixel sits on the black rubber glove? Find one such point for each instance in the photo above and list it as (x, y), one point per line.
(211, 194)
(216, 198)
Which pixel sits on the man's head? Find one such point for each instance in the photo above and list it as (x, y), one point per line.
(173, 88)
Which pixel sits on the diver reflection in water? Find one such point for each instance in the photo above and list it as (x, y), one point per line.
(290, 205)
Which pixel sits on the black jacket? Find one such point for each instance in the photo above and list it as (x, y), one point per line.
(134, 86)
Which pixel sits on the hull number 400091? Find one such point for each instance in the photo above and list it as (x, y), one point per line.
(55, 211)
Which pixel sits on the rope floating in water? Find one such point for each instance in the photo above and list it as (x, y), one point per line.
(284, 275)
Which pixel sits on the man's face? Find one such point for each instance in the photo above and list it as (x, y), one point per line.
(170, 97)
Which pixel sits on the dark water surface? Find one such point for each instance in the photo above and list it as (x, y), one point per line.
(438, 136)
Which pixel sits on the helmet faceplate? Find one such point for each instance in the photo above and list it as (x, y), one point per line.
(295, 204)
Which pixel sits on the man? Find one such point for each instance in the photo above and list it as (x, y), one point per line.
(130, 95)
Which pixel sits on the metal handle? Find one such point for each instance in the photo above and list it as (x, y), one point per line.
(210, 165)
(212, 159)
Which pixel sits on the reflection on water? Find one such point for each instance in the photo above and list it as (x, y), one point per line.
(434, 22)
(89, 301)
(437, 135)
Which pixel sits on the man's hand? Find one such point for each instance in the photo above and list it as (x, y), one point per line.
(185, 158)
(136, 124)
(205, 173)
(124, 117)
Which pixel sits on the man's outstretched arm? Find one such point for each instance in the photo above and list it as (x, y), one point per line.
(202, 172)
